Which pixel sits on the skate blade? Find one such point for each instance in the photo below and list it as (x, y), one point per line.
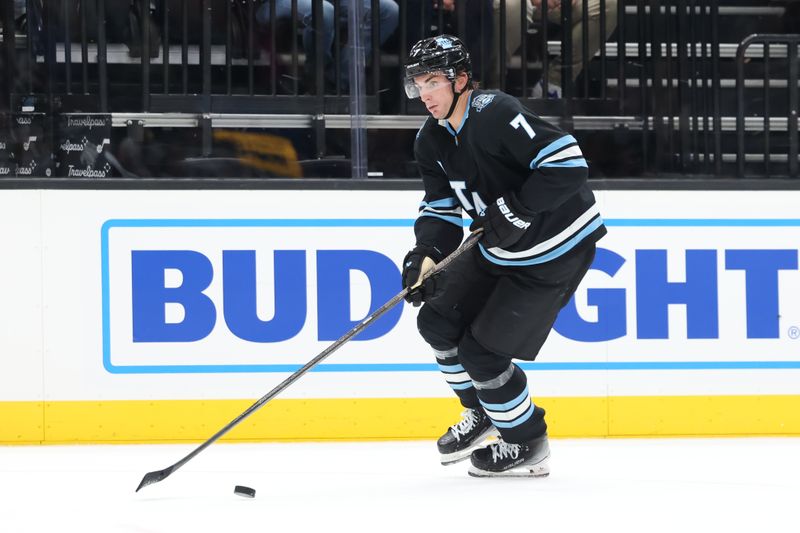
(482, 442)
(540, 469)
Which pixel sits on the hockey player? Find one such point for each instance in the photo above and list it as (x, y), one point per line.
(524, 182)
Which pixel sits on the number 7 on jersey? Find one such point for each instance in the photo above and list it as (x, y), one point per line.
(518, 121)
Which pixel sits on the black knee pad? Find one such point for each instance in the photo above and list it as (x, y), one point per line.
(480, 363)
(436, 330)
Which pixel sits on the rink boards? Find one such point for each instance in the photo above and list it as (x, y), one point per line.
(140, 316)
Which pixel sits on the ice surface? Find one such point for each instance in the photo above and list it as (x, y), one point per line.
(596, 485)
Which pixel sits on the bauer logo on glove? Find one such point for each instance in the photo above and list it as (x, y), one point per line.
(504, 222)
(501, 203)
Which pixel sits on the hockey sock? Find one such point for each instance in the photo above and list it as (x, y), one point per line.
(456, 376)
(506, 400)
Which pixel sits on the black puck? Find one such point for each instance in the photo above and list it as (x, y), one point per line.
(243, 491)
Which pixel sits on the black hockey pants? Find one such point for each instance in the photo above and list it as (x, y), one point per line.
(486, 315)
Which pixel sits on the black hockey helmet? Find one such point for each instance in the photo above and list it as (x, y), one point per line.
(443, 54)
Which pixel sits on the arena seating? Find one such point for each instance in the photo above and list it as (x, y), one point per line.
(686, 100)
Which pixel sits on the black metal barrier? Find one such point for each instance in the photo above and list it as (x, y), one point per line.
(768, 127)
(648, 74)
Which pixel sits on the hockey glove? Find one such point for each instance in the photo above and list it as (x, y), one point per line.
(504, 222)
(415, 265)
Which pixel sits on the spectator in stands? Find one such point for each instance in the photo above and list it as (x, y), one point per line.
(19, 11)
(389, 17)
(534, 13)
(577, 30)
(19, 8)
(423, 19)
(514, 28)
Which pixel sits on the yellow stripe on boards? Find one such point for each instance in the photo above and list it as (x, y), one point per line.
(704, 415)
(385, 418)
(196, 420)
(21, 422)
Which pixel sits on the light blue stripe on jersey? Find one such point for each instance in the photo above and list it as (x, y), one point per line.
(508, 405)
(463, 120)
(453, 220)
(461, 386)
(552, 148)
(514, 423)
(444, 202)
(556, 252)
(568, 163)
(451, 369)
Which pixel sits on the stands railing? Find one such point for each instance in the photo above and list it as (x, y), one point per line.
(657, 79)
(788, 45)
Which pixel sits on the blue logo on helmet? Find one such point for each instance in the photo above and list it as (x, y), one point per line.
(444, 42)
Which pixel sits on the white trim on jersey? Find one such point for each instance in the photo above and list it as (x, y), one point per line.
(552, 242)
(456, 211)
(572, 151)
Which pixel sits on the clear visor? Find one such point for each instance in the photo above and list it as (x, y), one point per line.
(420, 85)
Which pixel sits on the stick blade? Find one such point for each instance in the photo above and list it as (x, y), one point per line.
(154, 477)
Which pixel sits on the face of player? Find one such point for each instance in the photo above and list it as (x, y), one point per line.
(436, 93)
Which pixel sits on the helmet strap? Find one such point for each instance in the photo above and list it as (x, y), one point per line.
(456, 96)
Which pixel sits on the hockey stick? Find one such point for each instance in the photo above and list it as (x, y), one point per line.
(160, 475)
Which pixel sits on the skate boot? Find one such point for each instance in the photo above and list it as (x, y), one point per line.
(464, 437)
(505, 459)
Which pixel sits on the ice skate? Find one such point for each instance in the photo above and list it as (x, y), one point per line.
(466, 436)
(504, 459)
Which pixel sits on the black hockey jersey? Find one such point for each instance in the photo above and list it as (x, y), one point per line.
(502, 148)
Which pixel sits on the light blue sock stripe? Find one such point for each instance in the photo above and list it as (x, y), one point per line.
(451, 369)
(552, 148)
(508, 405)
(461, 386)
(514, 423)
(452, 220)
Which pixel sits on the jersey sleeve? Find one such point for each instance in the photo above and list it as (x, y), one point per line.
(556, 166)
(439, 222)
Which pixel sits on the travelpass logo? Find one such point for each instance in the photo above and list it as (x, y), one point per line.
(267, 295)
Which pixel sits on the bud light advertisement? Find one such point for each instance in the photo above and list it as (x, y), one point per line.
(264, 295)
